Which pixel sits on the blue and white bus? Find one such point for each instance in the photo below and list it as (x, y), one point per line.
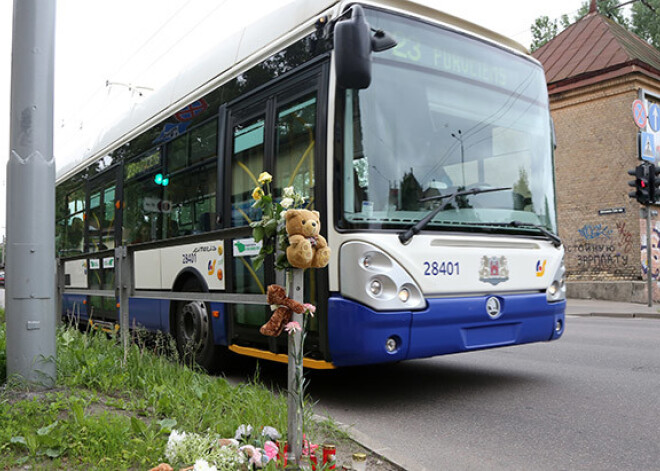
(431, 164)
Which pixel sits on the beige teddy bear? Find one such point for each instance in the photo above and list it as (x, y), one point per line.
(307, 248)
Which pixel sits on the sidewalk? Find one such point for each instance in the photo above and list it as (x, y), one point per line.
(596, 307)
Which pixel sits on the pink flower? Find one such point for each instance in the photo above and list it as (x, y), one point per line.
(270, 448)
(309, 309)
(292, 327)
(309, 448)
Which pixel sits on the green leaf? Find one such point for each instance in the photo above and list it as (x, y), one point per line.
(258, 233)
(18, 441)
(258, 261)
(271, 227)
(167, 424)
(77, 411)
(53, 452)
(46, 430)
(137, 426)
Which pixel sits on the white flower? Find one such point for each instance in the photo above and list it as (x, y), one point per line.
(271, 433)
(173, 443)
(288, 192)
(243, 431)
(286, 202)
(203, 465)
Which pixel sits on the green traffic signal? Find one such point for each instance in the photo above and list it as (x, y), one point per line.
(159, 179)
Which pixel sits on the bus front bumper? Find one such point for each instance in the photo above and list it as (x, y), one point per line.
(360, 335)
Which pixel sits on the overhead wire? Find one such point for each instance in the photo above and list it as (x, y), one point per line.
(90, 101)
(205, 18)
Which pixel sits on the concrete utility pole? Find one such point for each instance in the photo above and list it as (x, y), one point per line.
(30, 271)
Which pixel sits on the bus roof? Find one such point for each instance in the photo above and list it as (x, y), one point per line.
(236, 53)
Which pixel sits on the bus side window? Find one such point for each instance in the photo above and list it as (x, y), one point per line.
(294, 147)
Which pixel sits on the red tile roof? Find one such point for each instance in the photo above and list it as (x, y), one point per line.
(594, 46)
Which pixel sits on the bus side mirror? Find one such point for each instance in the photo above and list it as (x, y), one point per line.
(352, 44)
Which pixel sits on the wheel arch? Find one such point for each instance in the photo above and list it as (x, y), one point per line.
(184, 276)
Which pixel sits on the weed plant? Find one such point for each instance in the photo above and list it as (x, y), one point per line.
(107, 413)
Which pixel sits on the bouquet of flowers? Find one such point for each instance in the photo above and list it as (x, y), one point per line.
(209, 452)
(270, 230)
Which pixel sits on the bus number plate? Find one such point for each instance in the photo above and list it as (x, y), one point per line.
(189, 258)
(442, 268)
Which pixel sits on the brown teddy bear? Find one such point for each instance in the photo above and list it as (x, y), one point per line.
(307, 248)
(283, 307)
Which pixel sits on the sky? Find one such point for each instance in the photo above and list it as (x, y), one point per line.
(136, 44)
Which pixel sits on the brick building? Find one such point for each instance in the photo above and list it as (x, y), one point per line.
(595, 69)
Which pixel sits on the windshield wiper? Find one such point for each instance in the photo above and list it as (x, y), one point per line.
(556, 241)
(422, 223)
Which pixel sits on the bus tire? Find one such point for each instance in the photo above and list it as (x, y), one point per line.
(193, 332)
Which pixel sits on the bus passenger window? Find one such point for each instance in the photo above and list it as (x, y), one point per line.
(295, 143)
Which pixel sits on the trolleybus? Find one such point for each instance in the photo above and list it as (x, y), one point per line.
(424, 141)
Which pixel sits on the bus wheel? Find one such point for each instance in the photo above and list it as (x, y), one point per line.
(194, 333)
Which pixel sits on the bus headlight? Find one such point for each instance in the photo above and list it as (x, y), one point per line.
(376, 287)
(372, 277)
(557, 289)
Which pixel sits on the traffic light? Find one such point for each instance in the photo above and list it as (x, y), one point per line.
(646, 183)
(654, 183)
(640, 183)
(160, 179)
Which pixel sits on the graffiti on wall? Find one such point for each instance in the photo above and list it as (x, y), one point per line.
(655, 251)
(595, 231)
(601, 246)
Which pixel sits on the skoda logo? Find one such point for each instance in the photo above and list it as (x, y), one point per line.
(493, 307)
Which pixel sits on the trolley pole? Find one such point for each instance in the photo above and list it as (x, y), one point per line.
(30, 271)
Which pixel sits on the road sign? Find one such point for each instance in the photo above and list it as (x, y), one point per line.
(654, 117)
(647, 146)
(639, 113)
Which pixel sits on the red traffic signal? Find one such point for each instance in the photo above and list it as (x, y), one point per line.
(646, 183)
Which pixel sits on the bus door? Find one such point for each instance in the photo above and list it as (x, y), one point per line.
(277, 131)
(102, 231)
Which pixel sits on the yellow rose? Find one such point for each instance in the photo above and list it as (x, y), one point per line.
(257, 193)
(265, 177)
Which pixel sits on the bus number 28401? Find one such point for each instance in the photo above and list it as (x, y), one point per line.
(441, 268)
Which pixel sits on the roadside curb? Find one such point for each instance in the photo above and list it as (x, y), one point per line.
(614, 309)
(377, 448)
(631, 315)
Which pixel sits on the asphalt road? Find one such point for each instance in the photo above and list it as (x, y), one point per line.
(590, 401)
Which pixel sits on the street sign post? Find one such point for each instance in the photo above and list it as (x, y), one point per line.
(654, 117)
(647, 146)
(639, 113)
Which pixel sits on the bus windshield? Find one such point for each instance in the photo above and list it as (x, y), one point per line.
(446, 113)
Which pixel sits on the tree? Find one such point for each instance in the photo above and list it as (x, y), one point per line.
(646, 21)
(544, 29)
(609, 8)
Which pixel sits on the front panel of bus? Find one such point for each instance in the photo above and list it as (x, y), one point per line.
(445, 114)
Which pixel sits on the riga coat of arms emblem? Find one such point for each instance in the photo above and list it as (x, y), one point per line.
(493, 270)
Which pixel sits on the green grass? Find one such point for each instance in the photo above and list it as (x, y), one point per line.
(107, 414)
